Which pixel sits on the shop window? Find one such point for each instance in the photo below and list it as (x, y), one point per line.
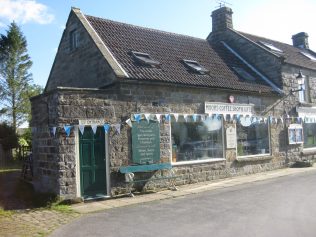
(192, 141)
(309, 130)
(252, 138)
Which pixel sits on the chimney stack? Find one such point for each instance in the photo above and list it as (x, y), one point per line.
(222, 19)
(300, 40)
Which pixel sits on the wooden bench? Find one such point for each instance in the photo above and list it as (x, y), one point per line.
(130, 176)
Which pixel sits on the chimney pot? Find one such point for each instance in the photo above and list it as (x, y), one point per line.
(300, 40)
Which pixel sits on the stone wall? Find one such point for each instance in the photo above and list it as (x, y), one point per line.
(55, 156)
(84, 66)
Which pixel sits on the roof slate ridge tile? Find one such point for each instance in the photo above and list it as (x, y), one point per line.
(262, 37)
(147, 28)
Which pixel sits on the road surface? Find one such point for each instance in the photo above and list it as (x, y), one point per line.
(284, 206)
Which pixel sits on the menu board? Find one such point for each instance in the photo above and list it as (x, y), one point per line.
(145, 142)
(231, 137)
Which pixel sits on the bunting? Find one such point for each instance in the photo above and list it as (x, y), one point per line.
(106, 128)
(118, 128)
(94, 128)
(81, 128)
(137, 117)
(67, 129)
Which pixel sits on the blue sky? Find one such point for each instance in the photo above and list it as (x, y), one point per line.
(43, 21)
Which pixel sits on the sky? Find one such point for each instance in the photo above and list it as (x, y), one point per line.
(43, 21)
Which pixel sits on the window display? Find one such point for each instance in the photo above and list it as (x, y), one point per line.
(252, 137)
(309, 135)
(199, 140)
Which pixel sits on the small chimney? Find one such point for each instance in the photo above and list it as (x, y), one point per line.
(300, 40)
(222, 19)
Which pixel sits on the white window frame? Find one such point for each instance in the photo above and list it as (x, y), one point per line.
(256, 155)
(198, 161)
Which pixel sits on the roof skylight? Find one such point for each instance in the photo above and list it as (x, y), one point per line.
(144, 58)
(311, 57)
(271, 47)
(244, 74)
(195, 66)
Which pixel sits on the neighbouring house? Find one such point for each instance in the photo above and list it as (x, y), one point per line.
(123, 97)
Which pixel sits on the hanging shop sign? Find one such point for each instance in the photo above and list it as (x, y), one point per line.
(228, 108)
(92, 122)
(145, 142)
(295, 134)
(231, 137)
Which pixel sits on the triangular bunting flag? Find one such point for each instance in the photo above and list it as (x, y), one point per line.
(158, 117)
(176, 117)
(129, 122)
(53, 130)
(67, 129)
(167, 117)
(194, 117)
(118, 128)
(137, 117)
(185, 116)
(81, 128)
(106, 128)
(94, 128)
(147, 116)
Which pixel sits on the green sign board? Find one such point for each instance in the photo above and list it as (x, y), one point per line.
(145, 142)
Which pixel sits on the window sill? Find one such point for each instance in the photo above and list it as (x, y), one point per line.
(197, 161)
(308, 151)
(254, 158)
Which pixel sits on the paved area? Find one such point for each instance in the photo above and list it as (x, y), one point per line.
(33, 223)
(18, 217)
(186, 190)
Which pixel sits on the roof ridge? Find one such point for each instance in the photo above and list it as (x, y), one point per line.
(263, 37)
(147, 28)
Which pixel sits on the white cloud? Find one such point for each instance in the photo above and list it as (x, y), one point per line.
(2, 24)
(24, 11)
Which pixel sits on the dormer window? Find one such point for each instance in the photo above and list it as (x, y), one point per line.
(144, 59)
(195, 66)
(244, 74)
(74, 39)
(271, 47)
(311, 57)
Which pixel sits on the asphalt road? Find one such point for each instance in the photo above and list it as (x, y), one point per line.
(279, 207)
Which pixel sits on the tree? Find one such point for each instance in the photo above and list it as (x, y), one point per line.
(8, 137)
(15, 80)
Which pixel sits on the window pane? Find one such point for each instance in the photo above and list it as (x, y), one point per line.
(253, 139)
(309, 130)
(197, 140)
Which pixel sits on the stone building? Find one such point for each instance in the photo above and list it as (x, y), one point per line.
(121, 96)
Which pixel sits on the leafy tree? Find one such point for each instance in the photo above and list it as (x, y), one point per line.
(15, 81)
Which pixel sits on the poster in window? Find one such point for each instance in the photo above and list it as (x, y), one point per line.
(295, 133)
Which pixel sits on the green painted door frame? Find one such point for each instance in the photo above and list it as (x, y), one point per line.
(93, 165)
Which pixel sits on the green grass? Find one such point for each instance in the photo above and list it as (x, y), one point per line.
(61, 208)
(4, 213)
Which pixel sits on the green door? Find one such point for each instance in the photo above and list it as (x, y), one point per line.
(92, 163)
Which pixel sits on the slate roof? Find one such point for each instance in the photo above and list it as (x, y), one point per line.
(290, 53)
(169, 49)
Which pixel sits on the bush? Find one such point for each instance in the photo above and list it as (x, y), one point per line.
(8, 137)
